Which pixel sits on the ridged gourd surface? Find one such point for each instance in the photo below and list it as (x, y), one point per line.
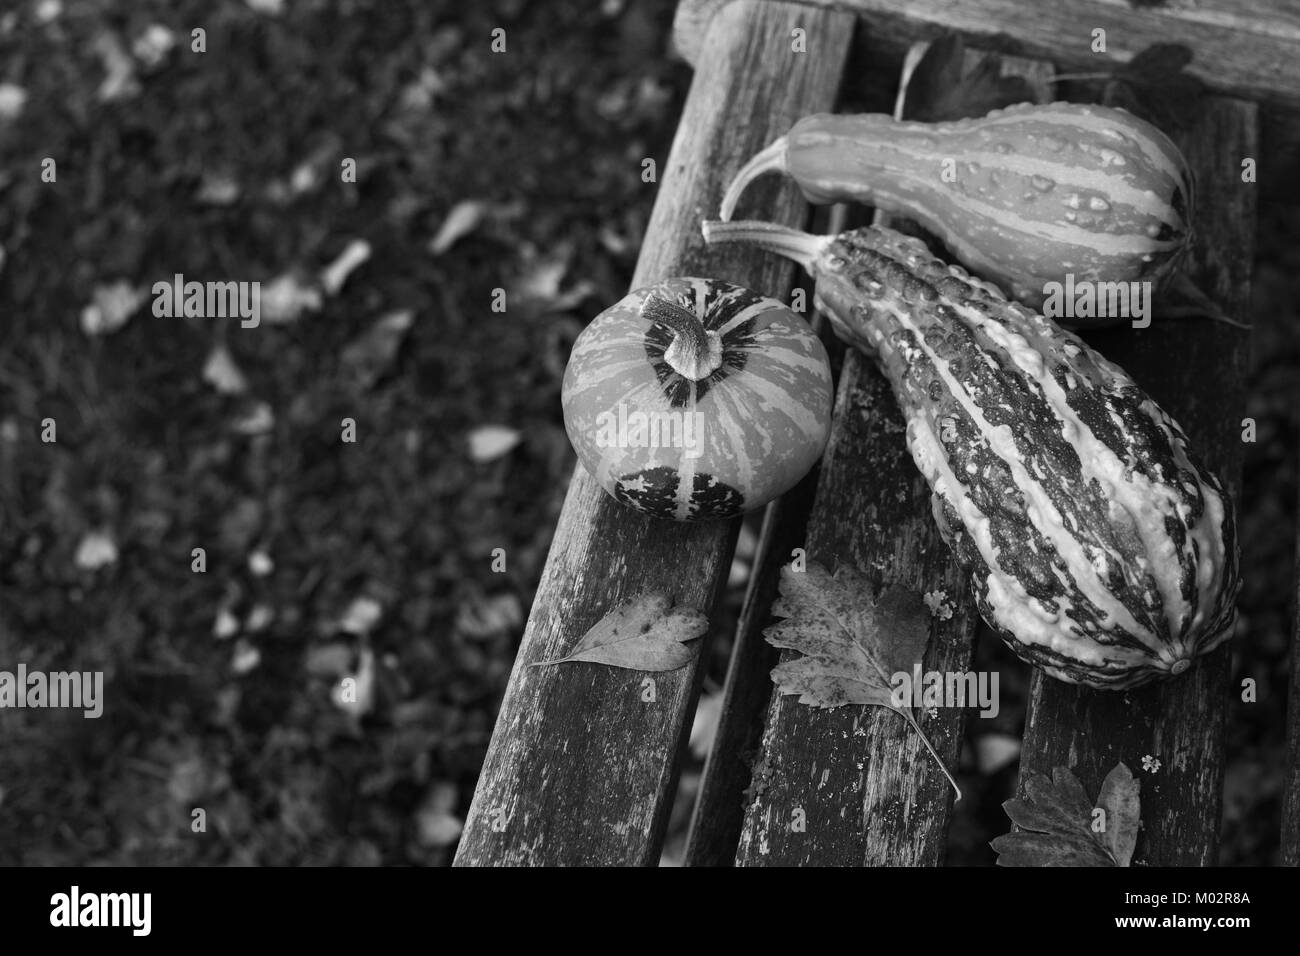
(1095, 544)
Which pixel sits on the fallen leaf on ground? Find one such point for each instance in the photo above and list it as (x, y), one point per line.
(256, 419)
(110, 307)
(371, 354)
(488, 442)
(644, 633)
(336, 273)
(152, 46)
(437, 825)
(481, 618)
(246, 657)
(463, 219)
(995, 751)
(328, 660)
(12, 100)
(259, 618)
(286, 297)
(120, 82)
(361, 616)
(221, 372)
(96, 550)
(226, 625)
(218, 189)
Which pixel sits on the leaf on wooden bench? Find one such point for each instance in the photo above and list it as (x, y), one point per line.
(852, 639)
(1060, 826)
(644, 633)
(937, 91)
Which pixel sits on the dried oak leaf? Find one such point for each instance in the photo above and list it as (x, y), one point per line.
(851, 639)
(937, 90)
(644, 633)
(1059, 825)
(1153, 85)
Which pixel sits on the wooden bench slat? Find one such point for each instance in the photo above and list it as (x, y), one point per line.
(580, 769)
(869, 791)
(1246, 49)
(718, 815)
(1195, 370)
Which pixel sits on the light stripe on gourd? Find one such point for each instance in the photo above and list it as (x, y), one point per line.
(765, 407)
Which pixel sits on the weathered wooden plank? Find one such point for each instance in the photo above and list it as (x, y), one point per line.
(582, 769)
(1291, 785)
(868, 791)
(855, 785)
(1246, 48)
(1195, 369)
(717, 817)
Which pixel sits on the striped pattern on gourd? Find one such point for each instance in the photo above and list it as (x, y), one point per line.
(1021, 196)
(757, 411)
(1096, 544)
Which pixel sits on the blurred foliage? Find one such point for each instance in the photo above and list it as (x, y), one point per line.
(225, 165)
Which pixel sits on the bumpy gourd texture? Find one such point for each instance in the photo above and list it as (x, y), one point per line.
(1095, 544)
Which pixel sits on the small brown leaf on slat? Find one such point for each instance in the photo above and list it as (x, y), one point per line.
(645, 633)
(1119, 798)
(852, 640)
(1057, 822)
(938, 92)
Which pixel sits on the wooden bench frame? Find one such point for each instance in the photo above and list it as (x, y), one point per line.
(582, 768)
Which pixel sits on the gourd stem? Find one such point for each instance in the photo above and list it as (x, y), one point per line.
(694, 353)
(1196, 303)
(802, 247)
(770, 160)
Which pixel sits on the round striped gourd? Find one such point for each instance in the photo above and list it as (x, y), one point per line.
(1095, 542)
(1021, 196)
(696, 399)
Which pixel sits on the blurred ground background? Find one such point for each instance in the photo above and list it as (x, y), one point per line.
(370, 559)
